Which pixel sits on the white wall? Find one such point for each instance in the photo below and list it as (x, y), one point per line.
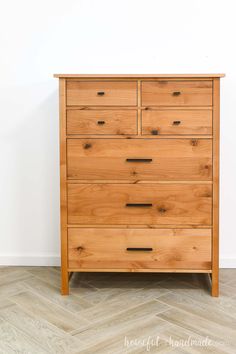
(39, 38)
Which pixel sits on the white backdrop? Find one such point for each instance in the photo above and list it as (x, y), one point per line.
(39, 38)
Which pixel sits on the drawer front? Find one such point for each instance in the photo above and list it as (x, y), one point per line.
(139, 204)
(101, 121)
(177, 93)
(101, 93)
(139, 248)
(176, 122)
(139, 159)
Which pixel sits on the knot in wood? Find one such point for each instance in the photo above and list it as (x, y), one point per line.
(194, 142)
(87, 146)
(80, 248)
(162, 210)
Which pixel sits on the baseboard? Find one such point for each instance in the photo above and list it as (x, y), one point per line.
(54, 260)
(30, 260)
(228, 262)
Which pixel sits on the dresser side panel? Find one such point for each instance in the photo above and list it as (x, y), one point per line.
(215, 206)
(63, 187)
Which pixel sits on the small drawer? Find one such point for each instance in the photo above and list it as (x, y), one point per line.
(176, 122)
(101, 93)
(140, 204)
(113, 122)
(139, 248)
(139, 159)
(177, 93)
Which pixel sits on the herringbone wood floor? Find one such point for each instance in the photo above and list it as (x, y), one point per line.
(115, 313)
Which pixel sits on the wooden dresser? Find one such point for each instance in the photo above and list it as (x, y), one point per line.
(139, 174)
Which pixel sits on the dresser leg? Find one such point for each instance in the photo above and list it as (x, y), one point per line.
(64, 282)
(215, 283)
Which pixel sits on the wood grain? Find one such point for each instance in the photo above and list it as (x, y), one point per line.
(44, 334)
(182, 159)
(171, 204)
(51, 293)
(188, 122)
(133, 297)
(42, 308)
(202, 326)
(215, 216)
(63, 187)
(131, 305)
(128, 139)
(118, 322)
(114, 93)
(101, 122)
(13, 340)
(198, 308)
(191, 93)
(170, 249)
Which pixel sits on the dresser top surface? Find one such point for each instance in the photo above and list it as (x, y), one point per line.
(138, 76)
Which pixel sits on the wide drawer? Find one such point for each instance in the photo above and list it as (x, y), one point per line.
(121, 122)
(139, 248)
(101, 93)
(177, 93)
(139, 159)
(176, 122)
(147, 204)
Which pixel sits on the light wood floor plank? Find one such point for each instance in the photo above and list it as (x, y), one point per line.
(201, 327)
(119, 343)
(201, 309)
(104, 308)
(52, 313)
(51, 338)
(52, 293)
(226, 276)
(117, 323)
(47, 274)
(123, 301)
(122, 280)
(13, 276)
(175, 335)
(225, 304)
(17, 340)
(4, 348)
(5, 303)
(8, 290)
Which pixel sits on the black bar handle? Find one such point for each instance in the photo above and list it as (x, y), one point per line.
(139, 205)
(100, 93)
(176, 122)
(154, 132)
(138, 160)
(139, 249)
(101, 122)
(176, 93)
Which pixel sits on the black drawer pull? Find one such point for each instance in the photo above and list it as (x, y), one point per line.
(100, 93)
(176, 93)
(139, 249)
(139, 160)
(139, 205)
(101, 122)
(176, 122)
(154, 132)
